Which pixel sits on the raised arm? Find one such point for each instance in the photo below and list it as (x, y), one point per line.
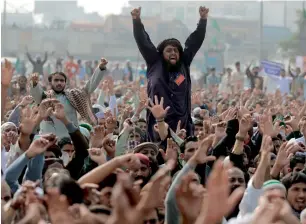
(30, 58)
(35, 89)
(195, 40)
(6, 78)
(144, 43)
(97, 76)
(46, 58)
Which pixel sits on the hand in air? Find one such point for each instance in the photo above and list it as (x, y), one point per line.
(136, 13)
(203, 12)
(103, 63)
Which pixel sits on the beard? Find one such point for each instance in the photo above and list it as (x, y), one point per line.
(57, 91)
(172, 67)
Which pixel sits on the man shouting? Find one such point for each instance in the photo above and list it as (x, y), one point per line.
(168, 71)
(74, 100)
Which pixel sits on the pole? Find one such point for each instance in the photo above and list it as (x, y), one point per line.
(261, 31)
(3, 49)
(285, 14)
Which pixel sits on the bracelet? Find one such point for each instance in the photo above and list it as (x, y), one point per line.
(160, 120)
(240, 138)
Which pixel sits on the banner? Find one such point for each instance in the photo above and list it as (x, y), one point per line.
(270, 68)
(300, 62)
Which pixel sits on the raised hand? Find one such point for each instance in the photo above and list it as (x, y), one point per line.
(220, 130)
(180, 132)
(97, 155)
(34, 78)
(136, 13)
(141, 106)
(157, 109)
(109, 146)
(218, 202)
(266, 125)
(171, 152)
(26, 101)
(103, 63)
(59, 112)
(6, 73)
(231, 114)
(200, 155)
(128, 125)
(40, 145)
(97, 137)
(283, 158)
(189, 196)
(29, 120)
(245, 124)
(46, 107)
(266, 145)
(128, 161)
(110, 86)
(203, 12)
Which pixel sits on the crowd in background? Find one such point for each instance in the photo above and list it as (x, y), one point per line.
(75, 147)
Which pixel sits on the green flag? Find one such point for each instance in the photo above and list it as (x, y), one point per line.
(214, 41)
(215, 25)
(17, 66)
(304, 10)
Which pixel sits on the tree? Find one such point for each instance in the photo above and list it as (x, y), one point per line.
(296, 45)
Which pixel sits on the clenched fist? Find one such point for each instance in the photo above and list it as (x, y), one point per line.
(203, 12)
(136, 13)
(35, 79)
(103, 63)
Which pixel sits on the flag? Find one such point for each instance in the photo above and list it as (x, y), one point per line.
(304, 10)
(215, 25)
(17, 66)
(214, 41)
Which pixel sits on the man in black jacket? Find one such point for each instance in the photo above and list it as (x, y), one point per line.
(168, 71)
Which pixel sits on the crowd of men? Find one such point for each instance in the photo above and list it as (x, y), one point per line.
(152, 148)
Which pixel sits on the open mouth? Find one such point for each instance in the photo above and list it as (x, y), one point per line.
(173, 60)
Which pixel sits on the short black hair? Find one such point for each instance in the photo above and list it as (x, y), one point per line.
(70, 188)
(293, 178)
(57, 73)
(188, 139)
(56, 150)
(295, 160)
(109, 181)
(64, 141)
(142, 120)
(198, 122)
(237, 63)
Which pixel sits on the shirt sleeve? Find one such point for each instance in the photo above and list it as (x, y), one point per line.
(172, 211)
(13, 154)
(249, 201)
